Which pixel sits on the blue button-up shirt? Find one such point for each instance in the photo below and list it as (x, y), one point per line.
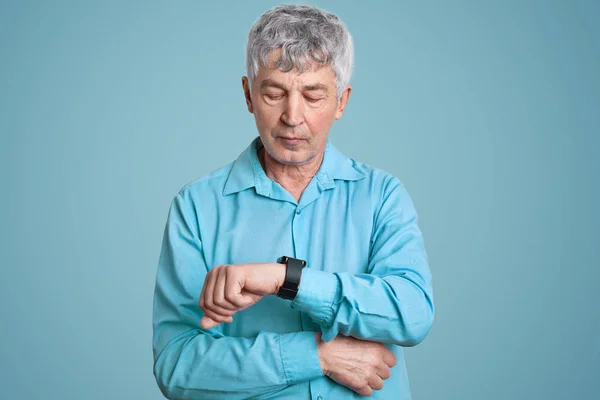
(367, 276)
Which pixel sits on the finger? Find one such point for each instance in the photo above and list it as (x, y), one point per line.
(209, 295)
(217, 317)
(389, 358)
(359, 383)
(210, 318)
(383, 371)
(220, 298)
(208, 323)
(202, 296)
(249, 299)
(211, 288)
(234, 293)
(207, 288)
(375, 382)
(365, 391)
(203, 306)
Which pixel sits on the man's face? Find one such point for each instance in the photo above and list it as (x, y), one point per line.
(293, 111)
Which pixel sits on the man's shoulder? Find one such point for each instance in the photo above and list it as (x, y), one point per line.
(375, 177)
(210, 183)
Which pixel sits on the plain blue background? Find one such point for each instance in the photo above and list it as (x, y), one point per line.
(487, 111)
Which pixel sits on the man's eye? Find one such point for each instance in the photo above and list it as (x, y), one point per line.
(274, 96)
(313, 100)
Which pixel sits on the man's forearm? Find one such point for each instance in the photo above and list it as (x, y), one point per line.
(199, 366)
(394, 308)
(391, 309)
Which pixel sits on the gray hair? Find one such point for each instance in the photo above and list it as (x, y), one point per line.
(305, 35)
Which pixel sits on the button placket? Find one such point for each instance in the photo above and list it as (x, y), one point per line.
(295, 239)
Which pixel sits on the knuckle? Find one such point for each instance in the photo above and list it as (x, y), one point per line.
(371, 371)
(355, 383)
(233, 299)
(361, 385)
(219, 301)
(373, 361)
(230, 297)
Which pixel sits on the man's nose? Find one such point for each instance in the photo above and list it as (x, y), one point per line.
(293, 114)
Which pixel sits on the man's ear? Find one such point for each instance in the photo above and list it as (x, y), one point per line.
(247, 94)
(343, 101)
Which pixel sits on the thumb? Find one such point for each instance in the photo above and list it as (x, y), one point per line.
(207, 322)
(249, 298)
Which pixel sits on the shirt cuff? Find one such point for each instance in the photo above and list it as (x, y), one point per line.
(316, 295)
(299, 357)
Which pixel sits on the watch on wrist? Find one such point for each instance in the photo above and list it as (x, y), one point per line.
(293, 273)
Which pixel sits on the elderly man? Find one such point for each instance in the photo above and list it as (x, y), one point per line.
(293, 272)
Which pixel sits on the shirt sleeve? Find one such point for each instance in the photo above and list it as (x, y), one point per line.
(194, 363)
(393, 301)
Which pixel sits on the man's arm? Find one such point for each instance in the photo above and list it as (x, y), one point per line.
(193, 363)
(393, 302)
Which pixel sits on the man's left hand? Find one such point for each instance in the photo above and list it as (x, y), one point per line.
(232, 288)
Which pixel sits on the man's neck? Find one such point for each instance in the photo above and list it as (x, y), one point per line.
(293, 178)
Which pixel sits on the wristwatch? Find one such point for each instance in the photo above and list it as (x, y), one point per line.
(293, 273)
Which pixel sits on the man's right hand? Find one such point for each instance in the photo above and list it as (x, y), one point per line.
(360, 365)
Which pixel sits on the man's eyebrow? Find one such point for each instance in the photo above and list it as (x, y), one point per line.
(316, 86)
(270, 83)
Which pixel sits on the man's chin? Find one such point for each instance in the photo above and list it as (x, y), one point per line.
(291, 160)
(290, 157)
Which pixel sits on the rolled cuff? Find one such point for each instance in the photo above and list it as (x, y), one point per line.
(299, 357)
(316, 295)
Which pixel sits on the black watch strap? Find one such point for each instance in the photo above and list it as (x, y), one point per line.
(293, 273)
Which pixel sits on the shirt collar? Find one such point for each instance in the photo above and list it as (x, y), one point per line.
(247, 171)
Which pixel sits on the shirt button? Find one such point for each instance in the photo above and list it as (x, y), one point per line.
(320, 397)
(298, 212)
